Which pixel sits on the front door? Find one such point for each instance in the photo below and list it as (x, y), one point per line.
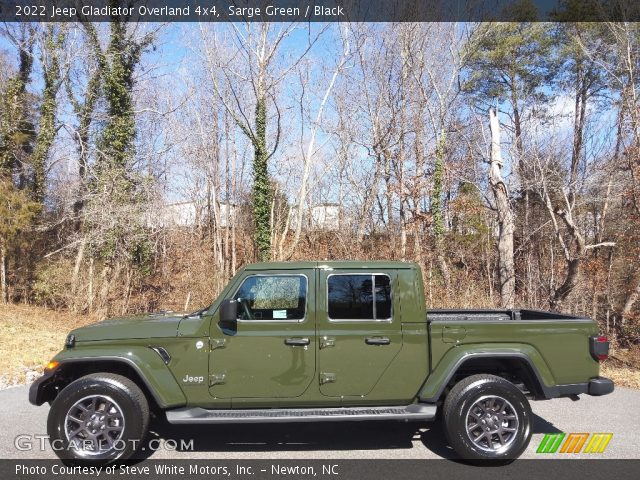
(359, 331)
(271, 352)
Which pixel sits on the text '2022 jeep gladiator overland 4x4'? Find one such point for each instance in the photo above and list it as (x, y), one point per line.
(319, 341)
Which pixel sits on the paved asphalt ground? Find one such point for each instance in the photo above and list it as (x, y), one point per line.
(618, 413)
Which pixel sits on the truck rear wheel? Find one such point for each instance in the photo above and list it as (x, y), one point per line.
(487, 418)
(98, 418)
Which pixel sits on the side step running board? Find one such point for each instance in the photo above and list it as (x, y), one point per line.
(273, 415)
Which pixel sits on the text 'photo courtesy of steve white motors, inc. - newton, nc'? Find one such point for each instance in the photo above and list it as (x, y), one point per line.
(197, 468)
(191, 10)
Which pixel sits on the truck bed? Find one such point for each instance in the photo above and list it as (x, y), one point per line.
(559, 342)
(479, 315)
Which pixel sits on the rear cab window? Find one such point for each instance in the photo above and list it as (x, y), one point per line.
(359, 297)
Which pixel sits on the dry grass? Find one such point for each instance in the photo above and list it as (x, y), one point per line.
(30, 337)
(623, 367)
(622, 376)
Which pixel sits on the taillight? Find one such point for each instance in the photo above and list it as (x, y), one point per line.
(599, 347)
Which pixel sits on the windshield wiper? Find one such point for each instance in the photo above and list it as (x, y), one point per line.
(197, 313)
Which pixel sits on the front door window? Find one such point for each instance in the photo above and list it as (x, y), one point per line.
(277, 297)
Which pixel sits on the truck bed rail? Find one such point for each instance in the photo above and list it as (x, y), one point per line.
(489, 315)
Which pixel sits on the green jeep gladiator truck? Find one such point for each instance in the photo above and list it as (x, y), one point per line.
(312, 342)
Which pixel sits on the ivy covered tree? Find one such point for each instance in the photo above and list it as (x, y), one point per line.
(115, 196)
(16, 125)
(117, 64)
(261, 186)
(259, 49)
(17, 214)
(247, 98)
(84, 107)
(51, 50)
(28, 128)
(436, 205)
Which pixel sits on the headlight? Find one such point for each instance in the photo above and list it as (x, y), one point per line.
(70, 341)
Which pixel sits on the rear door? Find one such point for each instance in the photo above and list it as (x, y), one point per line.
(359, 331)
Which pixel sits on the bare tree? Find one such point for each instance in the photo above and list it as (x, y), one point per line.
(504, 213)
(254, 71)
(310, 151)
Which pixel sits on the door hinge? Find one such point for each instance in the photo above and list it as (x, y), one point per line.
(217, 343)
(327, 378)
(326, 342)
(216, 379)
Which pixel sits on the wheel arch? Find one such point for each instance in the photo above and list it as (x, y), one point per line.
(155, 379)
(508, 364)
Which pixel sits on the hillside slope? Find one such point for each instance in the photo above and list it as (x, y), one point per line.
(30, 337)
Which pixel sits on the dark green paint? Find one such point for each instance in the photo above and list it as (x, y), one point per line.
(158, 378)
(143, 326)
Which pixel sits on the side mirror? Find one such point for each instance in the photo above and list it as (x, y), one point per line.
(229, 314)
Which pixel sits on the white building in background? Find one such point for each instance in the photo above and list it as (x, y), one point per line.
(188, 214)
(325, 216)
(183, 214)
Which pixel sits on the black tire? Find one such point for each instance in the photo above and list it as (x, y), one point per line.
(479, 430)
(122, 418)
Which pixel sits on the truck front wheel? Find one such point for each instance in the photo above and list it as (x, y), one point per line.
(98, 418)
(487, 418)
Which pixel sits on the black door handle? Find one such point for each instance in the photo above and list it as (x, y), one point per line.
(377, 341)
(296, 342)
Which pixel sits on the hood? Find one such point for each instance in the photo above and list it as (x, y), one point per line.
(157, 325)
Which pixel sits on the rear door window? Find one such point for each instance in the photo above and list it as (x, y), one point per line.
(359, 297)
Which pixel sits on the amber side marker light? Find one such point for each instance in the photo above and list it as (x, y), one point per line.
(52, 365)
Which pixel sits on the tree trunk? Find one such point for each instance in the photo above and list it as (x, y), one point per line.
(47, 128)
(368, 204)
(261, 186)
(85, 114)
(90, 287)
(75, 275)
(633, 297)
(578, 133)
(506, 271)
(308, 160)
(631, 300)
(570, 282)
(4, 291)
(436, 211)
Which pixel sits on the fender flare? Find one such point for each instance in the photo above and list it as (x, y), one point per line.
(454, 359)
(146, 363)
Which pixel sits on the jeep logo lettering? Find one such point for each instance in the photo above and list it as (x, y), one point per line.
(190, 379)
